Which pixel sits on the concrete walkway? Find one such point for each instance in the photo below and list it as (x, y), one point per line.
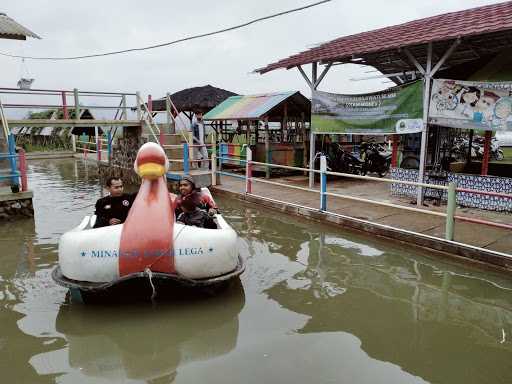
(483, 236)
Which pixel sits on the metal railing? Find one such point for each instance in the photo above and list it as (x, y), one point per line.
(18, 166)
(449, 215)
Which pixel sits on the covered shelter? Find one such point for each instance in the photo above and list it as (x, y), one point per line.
(273, 125)
(439, 46)
(195, 100)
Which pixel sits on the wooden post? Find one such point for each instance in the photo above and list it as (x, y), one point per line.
(394, 153)
(98, 144)
(487, 147)
(168, 113)
(23, 170)
(267, 149)
(138, 101)
(64, 106)
(77, 105)
(124, 113)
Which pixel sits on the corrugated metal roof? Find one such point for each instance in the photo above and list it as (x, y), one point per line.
(10, 29)
(246, 107)
(472, 22)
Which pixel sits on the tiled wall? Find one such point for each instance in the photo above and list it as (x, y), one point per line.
(482, 183)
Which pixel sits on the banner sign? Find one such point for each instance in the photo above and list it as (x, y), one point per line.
(395, 110)
(471, 105)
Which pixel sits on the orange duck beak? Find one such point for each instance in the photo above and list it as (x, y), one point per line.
(151, 162)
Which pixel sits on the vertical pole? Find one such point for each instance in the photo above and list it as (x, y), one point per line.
(168, 113)
(267, 150)
(394, 152)
(214, 169)
(221, 155)
(450, 211)
(150, 103)
(77, 105)
(248, 170)
(23, 170)
(424, 136)
(64, 106)
(12, 159)
(323, 183)
(138, 101)
(311, 158)
(186, 163)
(314, 69)
(98, 147)
(191, 147)
(124, 114)
(73, 142)
(109, 145)
(214, 143)
(485, 159)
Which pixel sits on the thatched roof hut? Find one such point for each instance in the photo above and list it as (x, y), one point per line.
(196, 99)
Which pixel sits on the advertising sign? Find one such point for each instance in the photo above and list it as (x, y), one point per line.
(394, 110)
(471, 105)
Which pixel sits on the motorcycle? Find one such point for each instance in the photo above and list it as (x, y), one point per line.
(375, 158)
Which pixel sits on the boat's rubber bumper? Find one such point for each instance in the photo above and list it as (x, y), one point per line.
(60, 279)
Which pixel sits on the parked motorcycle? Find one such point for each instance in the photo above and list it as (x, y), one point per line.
(376, 158)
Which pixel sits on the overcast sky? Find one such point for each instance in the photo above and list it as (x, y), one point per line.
(226, 61)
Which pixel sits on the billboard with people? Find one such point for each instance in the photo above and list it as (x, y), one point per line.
(471, 105)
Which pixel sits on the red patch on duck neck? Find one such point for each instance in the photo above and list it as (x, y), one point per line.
(147, 236)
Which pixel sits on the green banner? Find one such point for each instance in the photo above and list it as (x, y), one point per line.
(395, 110)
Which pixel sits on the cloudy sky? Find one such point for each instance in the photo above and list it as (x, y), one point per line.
(226, 61)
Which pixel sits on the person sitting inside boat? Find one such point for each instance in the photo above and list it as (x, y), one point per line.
(113, 209)
(188, 190)
(192, 215)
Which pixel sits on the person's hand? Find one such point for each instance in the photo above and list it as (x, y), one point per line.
(114, 221)
(212, 212)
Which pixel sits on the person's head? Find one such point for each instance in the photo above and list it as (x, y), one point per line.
(187, 185)
(115, 186)
(487, 100)
(188, 205)
(470, 96)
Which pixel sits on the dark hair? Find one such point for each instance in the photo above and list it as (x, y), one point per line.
(109, 180)
(188, 204)
(470, 90)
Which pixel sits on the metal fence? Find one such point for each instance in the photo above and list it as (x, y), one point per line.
(451, 189)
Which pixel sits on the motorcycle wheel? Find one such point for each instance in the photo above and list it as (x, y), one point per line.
(499, 155)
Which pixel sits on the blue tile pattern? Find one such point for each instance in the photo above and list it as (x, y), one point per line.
(464, 199)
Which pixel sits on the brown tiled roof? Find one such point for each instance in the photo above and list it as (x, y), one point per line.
(450, 26)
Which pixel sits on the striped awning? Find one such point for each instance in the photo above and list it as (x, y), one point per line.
(247, 107)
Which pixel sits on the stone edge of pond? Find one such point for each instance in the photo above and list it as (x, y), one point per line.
(459, 251)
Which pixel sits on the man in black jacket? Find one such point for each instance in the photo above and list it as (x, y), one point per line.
(113, 209)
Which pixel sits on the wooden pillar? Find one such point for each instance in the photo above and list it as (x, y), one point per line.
(267, 149)
(394, 153)
(487, 150)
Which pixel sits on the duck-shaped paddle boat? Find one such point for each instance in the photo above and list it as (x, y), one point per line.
(149, 243)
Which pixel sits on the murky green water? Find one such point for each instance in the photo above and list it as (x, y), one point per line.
(316, 305)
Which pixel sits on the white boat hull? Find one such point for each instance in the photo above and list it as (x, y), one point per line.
(92, 255)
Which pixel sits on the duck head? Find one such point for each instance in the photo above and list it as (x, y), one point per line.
(151, 162)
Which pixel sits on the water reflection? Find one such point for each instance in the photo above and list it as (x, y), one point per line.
(143, 343)
(428, 317)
